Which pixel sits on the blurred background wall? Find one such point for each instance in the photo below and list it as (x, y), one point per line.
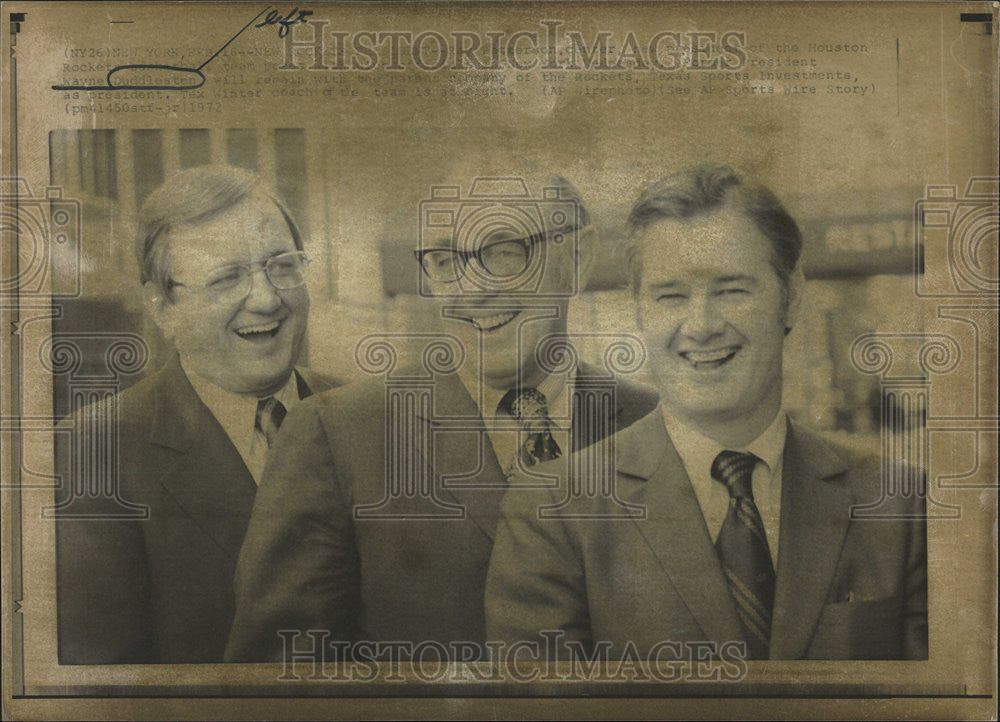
(355, 193)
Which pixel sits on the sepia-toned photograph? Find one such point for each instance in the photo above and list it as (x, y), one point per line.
(557, 360)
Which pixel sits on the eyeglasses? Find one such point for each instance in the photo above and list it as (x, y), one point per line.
(284, 271)
(501, 259)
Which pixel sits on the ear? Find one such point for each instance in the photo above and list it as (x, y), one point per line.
(796, 289)
(158, 307)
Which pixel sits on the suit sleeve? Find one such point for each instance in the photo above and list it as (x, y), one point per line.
(535, 582)
(102, 577)
(298, 568)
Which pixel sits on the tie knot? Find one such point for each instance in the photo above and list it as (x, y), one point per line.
(735, 470)
(525, 405)
(270, 414)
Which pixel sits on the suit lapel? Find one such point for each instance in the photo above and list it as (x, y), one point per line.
(302, 385)
(208, 478)
(675, 527)
(814, 517)
(464, 465)
(308, 382)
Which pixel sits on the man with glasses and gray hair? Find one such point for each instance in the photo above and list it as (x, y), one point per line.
(222, 269)
(325, 561)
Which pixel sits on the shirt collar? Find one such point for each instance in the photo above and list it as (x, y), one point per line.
(289, 394)
(237, 412)
(697, 451)
(769, 447)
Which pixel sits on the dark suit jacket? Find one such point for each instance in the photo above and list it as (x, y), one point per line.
(846, 589)
(157, 590)
(308, 563)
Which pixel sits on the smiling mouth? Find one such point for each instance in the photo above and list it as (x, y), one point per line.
(491, 323)
(258, 331)
(704, 360)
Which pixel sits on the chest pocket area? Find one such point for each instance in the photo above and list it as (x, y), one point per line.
(869, 629)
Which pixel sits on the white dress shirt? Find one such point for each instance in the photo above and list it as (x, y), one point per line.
(237, 413)
(697, 452)
(502, 429)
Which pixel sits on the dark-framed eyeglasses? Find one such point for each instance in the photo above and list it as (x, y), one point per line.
(503, 259)
(284, 271)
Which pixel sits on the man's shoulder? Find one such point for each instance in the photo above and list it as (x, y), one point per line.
(368, 394)
(859, 467)
(853, 454)
(634, 400)
(131, 415)
(346, 411)
(132, 407)
(344, 395)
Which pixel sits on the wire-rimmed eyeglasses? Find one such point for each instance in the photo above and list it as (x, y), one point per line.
(284, 271)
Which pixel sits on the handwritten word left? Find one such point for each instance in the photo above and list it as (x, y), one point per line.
(295, 17)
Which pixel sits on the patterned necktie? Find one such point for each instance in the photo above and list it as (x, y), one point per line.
(743, 551)
(528, 407)
(270, 414)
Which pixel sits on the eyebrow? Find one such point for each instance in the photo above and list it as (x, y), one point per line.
(737, 277)
(238, 263)
(663, 285)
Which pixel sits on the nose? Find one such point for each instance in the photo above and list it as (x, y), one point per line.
(262, 297)
(702, 320)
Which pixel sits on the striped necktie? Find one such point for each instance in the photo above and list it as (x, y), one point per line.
(270, 414)
(743, 551)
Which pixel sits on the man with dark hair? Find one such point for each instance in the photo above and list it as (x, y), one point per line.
(749, 536)
(223, 273)
(324, 554)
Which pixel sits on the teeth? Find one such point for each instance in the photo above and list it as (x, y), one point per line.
(258, 328)
(488, 323)
(709, 356)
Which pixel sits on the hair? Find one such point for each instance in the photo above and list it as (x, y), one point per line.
(190, 198)
(705, 189)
